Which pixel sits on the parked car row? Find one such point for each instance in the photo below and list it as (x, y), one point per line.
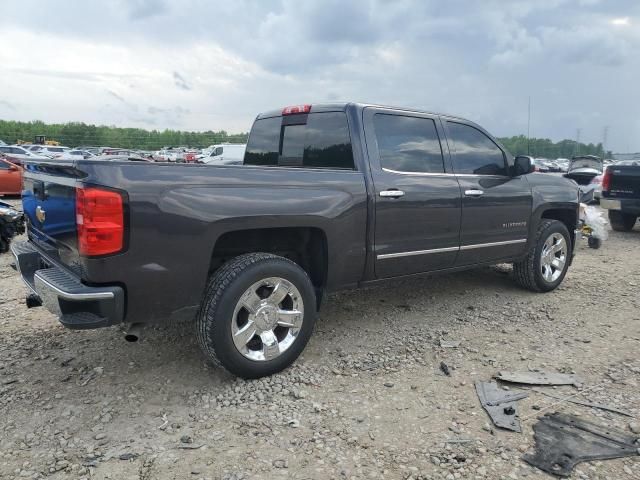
(218, 154)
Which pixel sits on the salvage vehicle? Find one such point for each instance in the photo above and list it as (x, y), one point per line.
(621, 194)
(225, 154)
(11, 224)
(10, 178)
(583, 169)
(330, 197)
(16, 154)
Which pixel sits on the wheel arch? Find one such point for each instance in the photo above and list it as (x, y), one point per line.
(566, 213)
(306, 246)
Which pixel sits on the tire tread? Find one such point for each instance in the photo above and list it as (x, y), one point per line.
(218, 283)
(524, 272)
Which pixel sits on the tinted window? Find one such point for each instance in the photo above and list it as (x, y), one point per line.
(408, 144)
(4, 166)
(264, 142)
(475, 152)
(5, 149)
(321, 140)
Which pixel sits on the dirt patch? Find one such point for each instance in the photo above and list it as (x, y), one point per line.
(368, 399)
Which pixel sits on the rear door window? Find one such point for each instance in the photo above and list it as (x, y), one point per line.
(408, 144)
(315, 140)
(475, 152)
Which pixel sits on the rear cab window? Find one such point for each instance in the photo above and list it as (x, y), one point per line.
(311, 140)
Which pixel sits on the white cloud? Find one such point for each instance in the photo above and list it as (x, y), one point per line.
(200, 64)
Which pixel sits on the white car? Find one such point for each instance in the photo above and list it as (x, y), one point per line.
(17, 154)
(225, 154)
(75, 155)
(49, 150)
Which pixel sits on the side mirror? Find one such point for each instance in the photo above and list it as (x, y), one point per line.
(523, 164)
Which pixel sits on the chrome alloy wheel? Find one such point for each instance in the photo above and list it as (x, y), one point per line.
(267, 319)
(553, 257)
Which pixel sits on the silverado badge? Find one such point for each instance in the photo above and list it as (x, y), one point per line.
(41, 215)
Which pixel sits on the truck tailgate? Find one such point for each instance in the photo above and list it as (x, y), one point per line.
(625, 181)
(49, 194)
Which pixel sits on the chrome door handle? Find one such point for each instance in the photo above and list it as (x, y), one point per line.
(391, 193)
(473, 193)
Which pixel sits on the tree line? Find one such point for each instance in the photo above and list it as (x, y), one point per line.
(73, 134)
(545, 148)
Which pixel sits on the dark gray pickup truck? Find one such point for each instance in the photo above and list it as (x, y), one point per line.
(330, 197)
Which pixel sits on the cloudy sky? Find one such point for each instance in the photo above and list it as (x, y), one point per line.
(203, 64)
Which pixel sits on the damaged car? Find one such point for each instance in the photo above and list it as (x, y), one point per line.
(11, 224)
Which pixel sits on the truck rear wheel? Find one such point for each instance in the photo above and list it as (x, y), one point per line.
(257, 315)
(621, 222)
(546, 264)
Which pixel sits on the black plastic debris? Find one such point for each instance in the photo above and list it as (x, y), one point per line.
(539, 378)
(500, 405)
(563, 441)
(11, 224)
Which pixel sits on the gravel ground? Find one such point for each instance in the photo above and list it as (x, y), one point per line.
(366, 400)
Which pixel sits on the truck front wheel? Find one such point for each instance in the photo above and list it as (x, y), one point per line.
(257, 315)
(621, 222)
(546, 264)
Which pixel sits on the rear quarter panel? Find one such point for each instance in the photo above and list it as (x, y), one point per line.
(177, 213)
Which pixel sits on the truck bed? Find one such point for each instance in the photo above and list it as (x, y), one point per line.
(175, 214)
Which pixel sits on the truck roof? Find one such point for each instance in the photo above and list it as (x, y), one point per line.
(342, 106)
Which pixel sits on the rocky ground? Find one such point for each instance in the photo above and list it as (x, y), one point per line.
(367, 399)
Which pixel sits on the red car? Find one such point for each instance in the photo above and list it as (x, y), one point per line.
(10, 178)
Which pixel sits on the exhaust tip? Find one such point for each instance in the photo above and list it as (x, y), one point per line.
(133, 333)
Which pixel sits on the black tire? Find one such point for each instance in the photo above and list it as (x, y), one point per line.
(223, 292)
(621, 222)
(527, 273)
(594, 243)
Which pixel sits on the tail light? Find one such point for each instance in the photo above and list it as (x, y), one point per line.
(292, 110)
(606, 180)
(100, 221)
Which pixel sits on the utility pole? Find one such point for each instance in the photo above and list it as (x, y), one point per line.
(578, 132)
(529, 127)
(605, 134)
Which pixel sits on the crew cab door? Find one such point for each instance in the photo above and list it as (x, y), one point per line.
(496, 207)
(417, 198)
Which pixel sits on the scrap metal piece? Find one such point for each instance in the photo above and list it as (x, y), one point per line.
(563, 441)
(500, 405)
(584, 403)
(539, 378)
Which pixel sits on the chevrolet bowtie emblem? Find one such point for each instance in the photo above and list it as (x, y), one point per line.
(41, 215)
